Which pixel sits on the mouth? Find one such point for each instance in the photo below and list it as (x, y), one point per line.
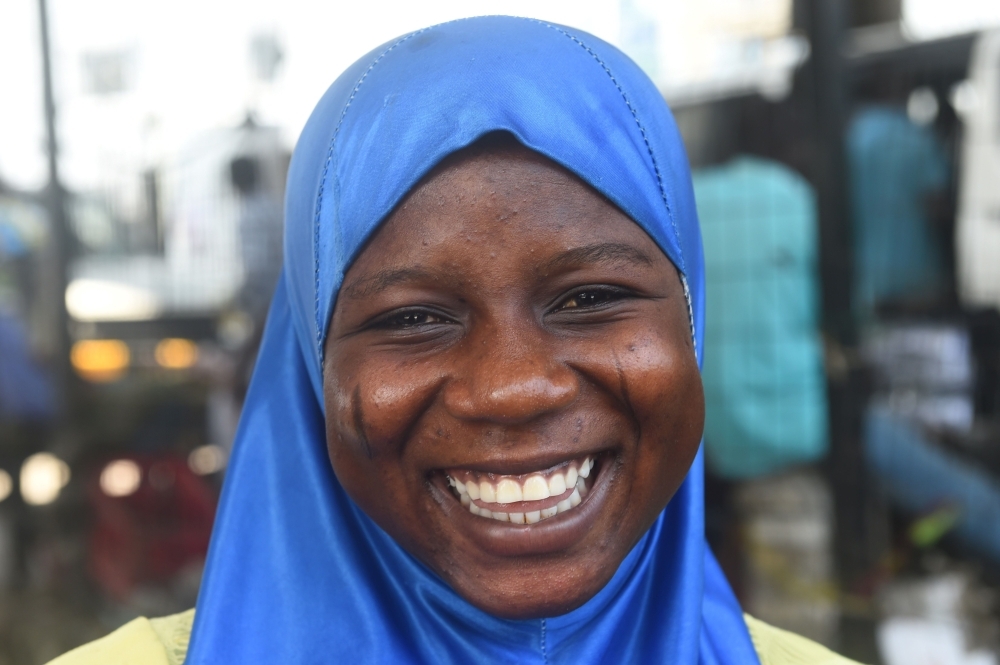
(524, 511)
(527, 498)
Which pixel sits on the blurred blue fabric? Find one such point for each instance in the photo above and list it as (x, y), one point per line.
(12, 244)
(765, 388)
(296, 572)
(894, 167)
(26, 391)
(919, 477)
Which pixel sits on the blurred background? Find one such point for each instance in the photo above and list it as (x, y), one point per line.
(847, 174)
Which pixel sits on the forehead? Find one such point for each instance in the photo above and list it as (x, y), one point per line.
(485, 205)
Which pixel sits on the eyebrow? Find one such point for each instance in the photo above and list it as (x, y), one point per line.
(383, 279)
(605, 252)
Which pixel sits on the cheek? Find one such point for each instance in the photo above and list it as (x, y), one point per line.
(662, 387)
(665, 396)
(370, 410)
(659, 379)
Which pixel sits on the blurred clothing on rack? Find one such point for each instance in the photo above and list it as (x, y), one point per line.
(895, 168)
(764, 380)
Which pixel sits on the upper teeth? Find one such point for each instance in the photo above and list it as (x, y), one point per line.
(487, 488)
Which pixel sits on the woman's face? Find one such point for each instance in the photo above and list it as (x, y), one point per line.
(510, 385)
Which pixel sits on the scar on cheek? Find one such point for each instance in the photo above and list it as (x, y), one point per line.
(359, 422)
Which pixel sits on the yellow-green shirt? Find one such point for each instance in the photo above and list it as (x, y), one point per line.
(165, 642)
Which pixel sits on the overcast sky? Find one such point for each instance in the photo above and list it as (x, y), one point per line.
(194, 63)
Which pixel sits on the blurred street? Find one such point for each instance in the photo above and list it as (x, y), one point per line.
(845, 157)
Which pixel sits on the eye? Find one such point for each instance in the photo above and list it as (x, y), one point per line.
(413, 318)
(592, 297)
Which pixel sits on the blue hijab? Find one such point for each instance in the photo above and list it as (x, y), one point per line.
(296, 572)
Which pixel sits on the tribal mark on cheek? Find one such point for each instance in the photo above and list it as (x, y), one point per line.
(359, 423)
(626, 397)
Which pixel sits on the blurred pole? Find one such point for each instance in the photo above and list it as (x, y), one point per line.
(856, 541)
(827, 31)
(55, 200)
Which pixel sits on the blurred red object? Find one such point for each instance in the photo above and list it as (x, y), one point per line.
(157, 529)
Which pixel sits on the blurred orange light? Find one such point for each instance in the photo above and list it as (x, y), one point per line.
(175, 353)
(100, 359)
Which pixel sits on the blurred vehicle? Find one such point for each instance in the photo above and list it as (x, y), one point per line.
(152, 521)
(184, 271)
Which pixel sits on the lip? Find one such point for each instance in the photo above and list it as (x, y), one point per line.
(506, 539)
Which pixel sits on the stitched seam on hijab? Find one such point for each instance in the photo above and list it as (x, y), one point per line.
(638, 123)
(687, 297)
(545, 655)
(656, 168)
(322, 182)
(319, 200)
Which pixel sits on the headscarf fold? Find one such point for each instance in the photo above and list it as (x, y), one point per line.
(296, 572)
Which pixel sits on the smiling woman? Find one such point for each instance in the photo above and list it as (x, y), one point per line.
(510, 381)
(473, 431)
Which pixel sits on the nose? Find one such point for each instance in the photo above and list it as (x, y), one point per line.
(509, 378)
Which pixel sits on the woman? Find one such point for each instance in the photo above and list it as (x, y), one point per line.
(473, 431)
